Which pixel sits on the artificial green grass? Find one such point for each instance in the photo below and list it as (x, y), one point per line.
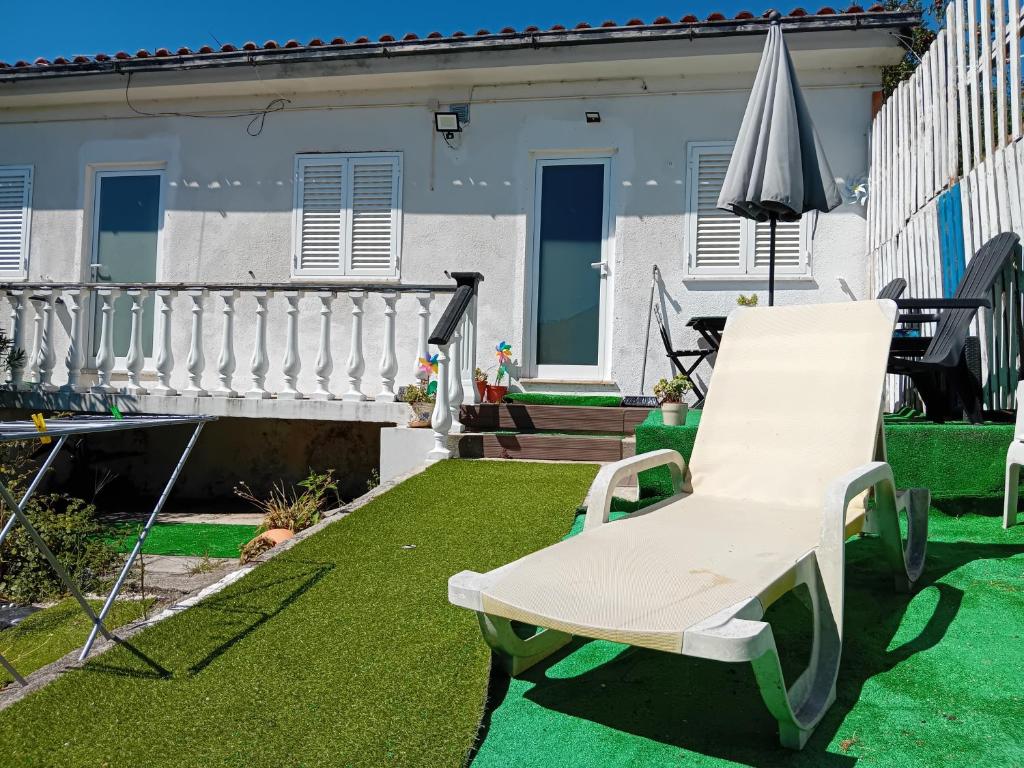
(342, 651)
(953, 460)
(53, 632)
(930, 679)
(189, 539)
(553, 398)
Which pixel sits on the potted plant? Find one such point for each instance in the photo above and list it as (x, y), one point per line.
(670, 393)
(422, 402)
(747, 301)
(480, 381)
(494, 393)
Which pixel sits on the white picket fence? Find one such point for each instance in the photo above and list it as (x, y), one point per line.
(954, 127)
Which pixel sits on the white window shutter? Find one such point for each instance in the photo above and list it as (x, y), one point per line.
(375, 184)
(789, 251)
(320, 215)
(716, 236)
(15, 212)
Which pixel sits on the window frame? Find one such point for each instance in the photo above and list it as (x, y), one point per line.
(29, 172)
(746, 271)
(344, 272)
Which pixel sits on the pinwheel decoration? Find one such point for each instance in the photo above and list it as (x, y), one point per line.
(503, 351)
(428, 366)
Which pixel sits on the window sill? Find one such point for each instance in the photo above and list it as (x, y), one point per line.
(760, 279)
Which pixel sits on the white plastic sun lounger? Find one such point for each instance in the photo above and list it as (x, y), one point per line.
(1014, 461)
(776, 484)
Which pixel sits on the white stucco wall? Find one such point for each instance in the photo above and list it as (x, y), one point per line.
(228, 199)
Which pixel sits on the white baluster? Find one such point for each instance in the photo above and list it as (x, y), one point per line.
(356, 364)
(136, 355)
(105, 354)
(196, 361)
(455, 379)
(75, 299)
(388, 360)
(468, 354)
(324, 362)
(164, 353)
(292, 361)
(260, 363)
(47, 358)
(422, 347)
(34, 359)
(226, 359)
(17, 299)
(441, 418)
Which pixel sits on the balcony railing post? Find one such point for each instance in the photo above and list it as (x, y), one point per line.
(226, 358)
(37, 341)
(260, 363)
(17, 299)
(324, 361)
(455, 380)
(47, 356)
(196, 361)
(441, 418)
(388, 360)
(469, 354)
(292, 361)
(136, 355)
(105, 354)
(164, 352)
(422, 346)
(356, 364)
(74, 299)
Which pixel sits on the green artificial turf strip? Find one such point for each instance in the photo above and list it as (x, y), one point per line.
(342, 651)
(191, 539)
(952, 460)
(53, 632)
(545, 398)
(929, 679)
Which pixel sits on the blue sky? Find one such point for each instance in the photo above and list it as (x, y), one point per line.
(68, 27)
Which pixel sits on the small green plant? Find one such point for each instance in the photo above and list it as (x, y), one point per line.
(295, 510)
(11, 357)
(747, 301)
(414, 394)
(672, 390)
(373, 480)
(479, 374)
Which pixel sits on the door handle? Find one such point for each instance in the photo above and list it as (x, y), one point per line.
(601, 266)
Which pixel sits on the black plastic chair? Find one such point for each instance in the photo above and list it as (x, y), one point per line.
(676, 357)
(941, 368)
(893, 289)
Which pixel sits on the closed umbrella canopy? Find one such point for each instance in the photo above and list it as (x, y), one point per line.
(778, 169)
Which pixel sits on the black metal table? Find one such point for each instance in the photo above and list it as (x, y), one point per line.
(710, 327)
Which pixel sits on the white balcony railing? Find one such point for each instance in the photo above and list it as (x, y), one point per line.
(160, 340)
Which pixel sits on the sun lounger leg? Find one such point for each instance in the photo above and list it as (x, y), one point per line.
(518, 647)
(1014, 459)
(905, 559)
(799, 708)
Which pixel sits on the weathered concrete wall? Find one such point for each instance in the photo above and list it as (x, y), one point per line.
(228, 198)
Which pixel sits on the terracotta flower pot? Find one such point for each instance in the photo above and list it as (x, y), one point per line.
(481, 390)
(494, 394)
(276, 535)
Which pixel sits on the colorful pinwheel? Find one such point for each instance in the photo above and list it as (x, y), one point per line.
(503, 351)
(428, 366)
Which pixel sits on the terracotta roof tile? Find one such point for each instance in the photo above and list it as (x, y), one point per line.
(412, 37)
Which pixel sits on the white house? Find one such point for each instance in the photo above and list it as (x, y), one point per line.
(305, 186)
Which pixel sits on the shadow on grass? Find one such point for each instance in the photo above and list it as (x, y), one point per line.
(221, 621)
(714, 708)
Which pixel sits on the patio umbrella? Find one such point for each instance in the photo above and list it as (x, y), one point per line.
(778, 168)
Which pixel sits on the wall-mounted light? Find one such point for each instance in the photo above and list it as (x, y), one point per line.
(593, 117)
(447, 124)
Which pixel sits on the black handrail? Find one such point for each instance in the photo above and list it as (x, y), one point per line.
(297, 286)
(466, 284)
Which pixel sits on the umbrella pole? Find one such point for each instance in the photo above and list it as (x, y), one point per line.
(772, 220)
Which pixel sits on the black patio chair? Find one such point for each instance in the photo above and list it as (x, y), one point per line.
(677, 358)
(893, 289)
(938, 365)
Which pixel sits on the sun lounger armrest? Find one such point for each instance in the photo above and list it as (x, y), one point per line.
(601, 490)
(1018, 430)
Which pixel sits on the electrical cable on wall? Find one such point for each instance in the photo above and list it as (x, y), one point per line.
(255, 127)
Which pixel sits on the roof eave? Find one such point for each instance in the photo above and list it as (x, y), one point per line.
(445, 46)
